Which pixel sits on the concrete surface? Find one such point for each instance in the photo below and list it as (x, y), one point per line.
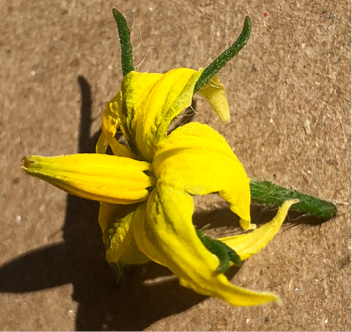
(289, 94)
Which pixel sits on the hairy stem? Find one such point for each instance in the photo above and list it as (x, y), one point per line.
(269, 194)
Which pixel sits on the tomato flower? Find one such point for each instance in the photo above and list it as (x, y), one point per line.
(146, 187)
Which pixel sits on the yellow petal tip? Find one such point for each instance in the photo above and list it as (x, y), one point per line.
(291, 202)
(246, 224)
(30, 164)
(277, 299)
(252, 227)
(225, 119)
(26, 161)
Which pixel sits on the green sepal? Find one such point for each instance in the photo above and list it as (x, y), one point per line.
(119, 272)
(125, 41)
(223, 252)
(225, 56)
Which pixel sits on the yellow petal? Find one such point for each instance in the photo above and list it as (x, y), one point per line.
(215, 93)
(249, 244)
(167, 236)
(197, 159)
(111, 120)
(152, 101)
(100, 177)
(169, 97)
(102, 144)
(135, 90)
(110, 123)
(115, 221)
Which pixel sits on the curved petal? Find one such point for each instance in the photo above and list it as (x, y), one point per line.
(135, 89)
(215, 93)
(110, 123)
(115, 221)
(151, 101)
(167, 236)
(99, 177)
(102, 144)
(197, 159)
(246, 245)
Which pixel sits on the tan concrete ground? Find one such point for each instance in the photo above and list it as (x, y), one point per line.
(289, 93)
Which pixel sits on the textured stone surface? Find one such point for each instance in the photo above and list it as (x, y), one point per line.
(289, 94)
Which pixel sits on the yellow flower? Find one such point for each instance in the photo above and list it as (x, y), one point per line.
(146, 188)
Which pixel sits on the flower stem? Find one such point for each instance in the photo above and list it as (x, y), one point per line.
(224, 57)
(125, 41)
(269, 194)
